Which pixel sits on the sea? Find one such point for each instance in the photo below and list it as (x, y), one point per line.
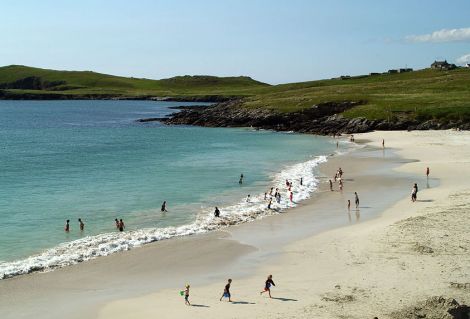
(92, 160)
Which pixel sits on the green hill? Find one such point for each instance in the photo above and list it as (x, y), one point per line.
(20, 80)
(420, 95)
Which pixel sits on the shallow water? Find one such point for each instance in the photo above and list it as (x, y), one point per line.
(90, 159)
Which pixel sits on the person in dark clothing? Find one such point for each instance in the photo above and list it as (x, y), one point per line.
(226, 293)
(67, 226)
(267, 285)
(121, 225)
(217, 212)
(163, 209)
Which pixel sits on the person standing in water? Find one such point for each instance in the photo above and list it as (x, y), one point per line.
(217, 212)
(163, 209)
(241, 179)
(301, 181)
(67, 226)
(121, 225)
(331, 185)
(117, 223)
(291, 196)
(82, 225)
(269, 204)
(248, 198)
(267, 285)
(226, 293)
(356, 199)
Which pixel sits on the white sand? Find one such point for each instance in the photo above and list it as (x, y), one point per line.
(413, 251)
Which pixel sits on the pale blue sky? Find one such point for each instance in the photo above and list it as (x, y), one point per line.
(272, 41)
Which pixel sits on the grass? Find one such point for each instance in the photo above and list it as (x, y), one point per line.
(92, 83)
(420, 95)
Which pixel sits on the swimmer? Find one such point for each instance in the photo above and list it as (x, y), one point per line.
(82, 225)
(163, 209)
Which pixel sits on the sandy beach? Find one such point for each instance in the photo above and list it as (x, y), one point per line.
(388, 259)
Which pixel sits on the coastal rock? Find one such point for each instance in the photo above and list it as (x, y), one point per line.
(322, 119)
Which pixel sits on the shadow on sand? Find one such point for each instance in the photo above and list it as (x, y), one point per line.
(284, 299)
(242, 303)
(200, 306)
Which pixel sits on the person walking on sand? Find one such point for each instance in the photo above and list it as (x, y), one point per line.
(291, 196)
(67, 226)
(186, 296)
(226, 293)
(267, 285)
(121, 225)
(241, 179)
(414, 193)
(356, 199)
(217, 212)
(349, 204)
(82, 225)
(383, 143)
(340, 184)
(427, 172)
(163, 209)
(331, 185)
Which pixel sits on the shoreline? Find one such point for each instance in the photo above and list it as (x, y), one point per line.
(387, 267)
(203, 224)
(241, 253)
(372, 268)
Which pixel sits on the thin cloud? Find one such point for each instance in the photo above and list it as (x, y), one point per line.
(464, 59)
(444, 35)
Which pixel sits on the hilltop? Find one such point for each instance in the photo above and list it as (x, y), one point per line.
(429, 98)
(424, 99)
(23, 82)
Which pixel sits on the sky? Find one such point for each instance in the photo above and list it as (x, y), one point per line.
(271, 41)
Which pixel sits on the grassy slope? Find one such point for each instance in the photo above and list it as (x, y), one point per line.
(87, 82)
(423, 94)
(419, 95)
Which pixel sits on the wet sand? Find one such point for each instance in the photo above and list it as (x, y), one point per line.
(145, 282)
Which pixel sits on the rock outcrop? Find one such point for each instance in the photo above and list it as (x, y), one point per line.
(324, 119)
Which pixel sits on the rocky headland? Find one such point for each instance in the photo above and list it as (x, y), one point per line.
(323, 119)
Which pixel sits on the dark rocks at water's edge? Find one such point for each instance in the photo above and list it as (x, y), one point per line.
(322, 119)
(6, 94)
(153, 119)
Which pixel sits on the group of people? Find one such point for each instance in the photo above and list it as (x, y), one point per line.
(337, 177)
(226, 294)
(119, 224)
(81, 225)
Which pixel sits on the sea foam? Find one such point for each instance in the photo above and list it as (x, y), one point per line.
(90, 247)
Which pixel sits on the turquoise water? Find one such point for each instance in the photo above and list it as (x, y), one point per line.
(90, 159)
